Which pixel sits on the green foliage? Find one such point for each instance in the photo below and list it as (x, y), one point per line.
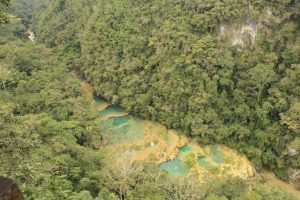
(46, 125)
(166, 60)
(190, 159)
(4, 15)
(215, 197)
(25, 9)
(15, 29)
(261, 192)
(230, 188)
(163, 60)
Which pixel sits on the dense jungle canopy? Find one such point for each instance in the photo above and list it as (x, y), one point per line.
(223, 71)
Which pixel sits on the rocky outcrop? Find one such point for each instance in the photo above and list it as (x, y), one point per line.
(238, 34)
(294, 175)
(31, 36)
(292, 151)
(9, 190)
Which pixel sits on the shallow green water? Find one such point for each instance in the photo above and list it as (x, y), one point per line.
(175, 167)
(183, 152)
(127, 132)
(117, 121)
(109, 110)
(99, 100)
(203, 162)
(216, 154)
(185, 148)
(124, 133)
(120, 132)
(129, 129)
(108, 123)
(119, 129)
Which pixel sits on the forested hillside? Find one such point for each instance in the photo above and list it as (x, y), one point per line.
(49, 138)
(4, 16)
(223, 71)
(25, 10)
(47, 129)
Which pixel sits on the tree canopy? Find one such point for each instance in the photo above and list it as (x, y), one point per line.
(222, 71)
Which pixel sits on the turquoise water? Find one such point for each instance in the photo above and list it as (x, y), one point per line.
(183, 152)
(120, 120)
(116, 121)
(111, 109)
(175, 167)
(108, 123)
(185, 148)
(216, 154)
(120, 129)
(129, 129)
(99, 100)
(128, 132)
(203, 162)
(123, 129)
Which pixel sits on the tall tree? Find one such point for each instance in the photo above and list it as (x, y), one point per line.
(4, 8)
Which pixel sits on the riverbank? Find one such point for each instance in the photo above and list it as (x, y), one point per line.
(172, 151)
(147, 139)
